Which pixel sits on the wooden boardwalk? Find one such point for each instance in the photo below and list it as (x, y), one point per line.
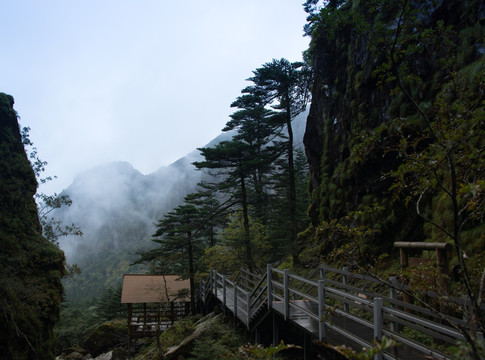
(351, 311)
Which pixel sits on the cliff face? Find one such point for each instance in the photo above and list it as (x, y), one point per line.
(31, 267)
(364, 54)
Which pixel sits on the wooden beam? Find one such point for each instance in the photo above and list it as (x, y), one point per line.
(422, 245)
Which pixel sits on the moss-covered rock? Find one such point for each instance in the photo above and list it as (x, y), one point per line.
(185, 347)
(356, 96)
(106, 337)
(30, 280)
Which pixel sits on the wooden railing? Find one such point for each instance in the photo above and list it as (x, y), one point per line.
(147, 319)
(329, 299)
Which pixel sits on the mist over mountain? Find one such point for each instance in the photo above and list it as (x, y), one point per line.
(116, 207)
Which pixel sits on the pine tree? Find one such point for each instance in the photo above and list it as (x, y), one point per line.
(212, 212)
(179, 245)
(280, 216)
(109, 304)
(285, 86)
(259, 128)
(234, 161)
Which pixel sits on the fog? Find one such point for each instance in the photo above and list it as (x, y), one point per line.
(116, 207)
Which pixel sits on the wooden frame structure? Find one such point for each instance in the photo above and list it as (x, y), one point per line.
(154, 302)
(442, 250)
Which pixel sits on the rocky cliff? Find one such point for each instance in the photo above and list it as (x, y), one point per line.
(31, 267)
(374, 62)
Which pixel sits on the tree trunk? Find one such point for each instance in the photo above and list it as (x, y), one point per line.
(292, 186)
(191, 274)
(247, 238)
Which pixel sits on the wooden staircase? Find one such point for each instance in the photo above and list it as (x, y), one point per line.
(337, 307)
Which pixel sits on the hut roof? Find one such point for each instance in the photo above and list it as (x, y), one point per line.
(139, 288)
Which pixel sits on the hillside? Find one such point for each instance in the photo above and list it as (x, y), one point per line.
(116, 207)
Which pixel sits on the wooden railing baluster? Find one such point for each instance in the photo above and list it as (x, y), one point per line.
(286, 294)
(224, 291)
(393, 296)
(269, 285)
(248, 308)
(321, 310)
(378, 324)
(235, 304)
(345, 282)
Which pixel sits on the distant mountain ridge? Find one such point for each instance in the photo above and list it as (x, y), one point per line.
(116, 207)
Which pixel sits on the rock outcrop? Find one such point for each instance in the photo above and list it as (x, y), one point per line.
(31, 267)
(358, 55)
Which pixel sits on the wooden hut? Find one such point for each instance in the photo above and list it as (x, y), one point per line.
(154, 302)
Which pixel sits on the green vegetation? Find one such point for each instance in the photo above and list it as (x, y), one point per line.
(78, 320)
(178, 249)
(217, 340)
(253, 172)
(52, 228)
(394, 145)
(401, 87)
(394, 152)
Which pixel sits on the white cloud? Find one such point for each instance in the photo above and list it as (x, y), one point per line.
(143, 81)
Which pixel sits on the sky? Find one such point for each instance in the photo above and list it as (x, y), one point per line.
(143, 81)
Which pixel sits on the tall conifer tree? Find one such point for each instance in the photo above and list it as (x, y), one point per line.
(285, 86)
(233, 160)
(259, 128)
(178, 247)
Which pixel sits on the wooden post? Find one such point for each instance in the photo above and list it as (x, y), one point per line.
(378, 324)
(393, 296)
(403, 253)
(442, 262)
(172, 313)
(345, 282)
(269, 285)
(187, 308)
(144, 318)
(321, 310)
(286, 294)
(214, 283)
(248, 314)
(224, 292)
(257, 336)
(159, 318)
(201, 290)
(209, 285)
(306, 346)
(276, 334)
(322, 271)
(130, 315)
(158, 330)
(235, 305)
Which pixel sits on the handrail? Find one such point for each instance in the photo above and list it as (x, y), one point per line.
(302, 279)
(263, 278)
(402, 286)
(301, 294)
(257, 297)
(296, 297)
